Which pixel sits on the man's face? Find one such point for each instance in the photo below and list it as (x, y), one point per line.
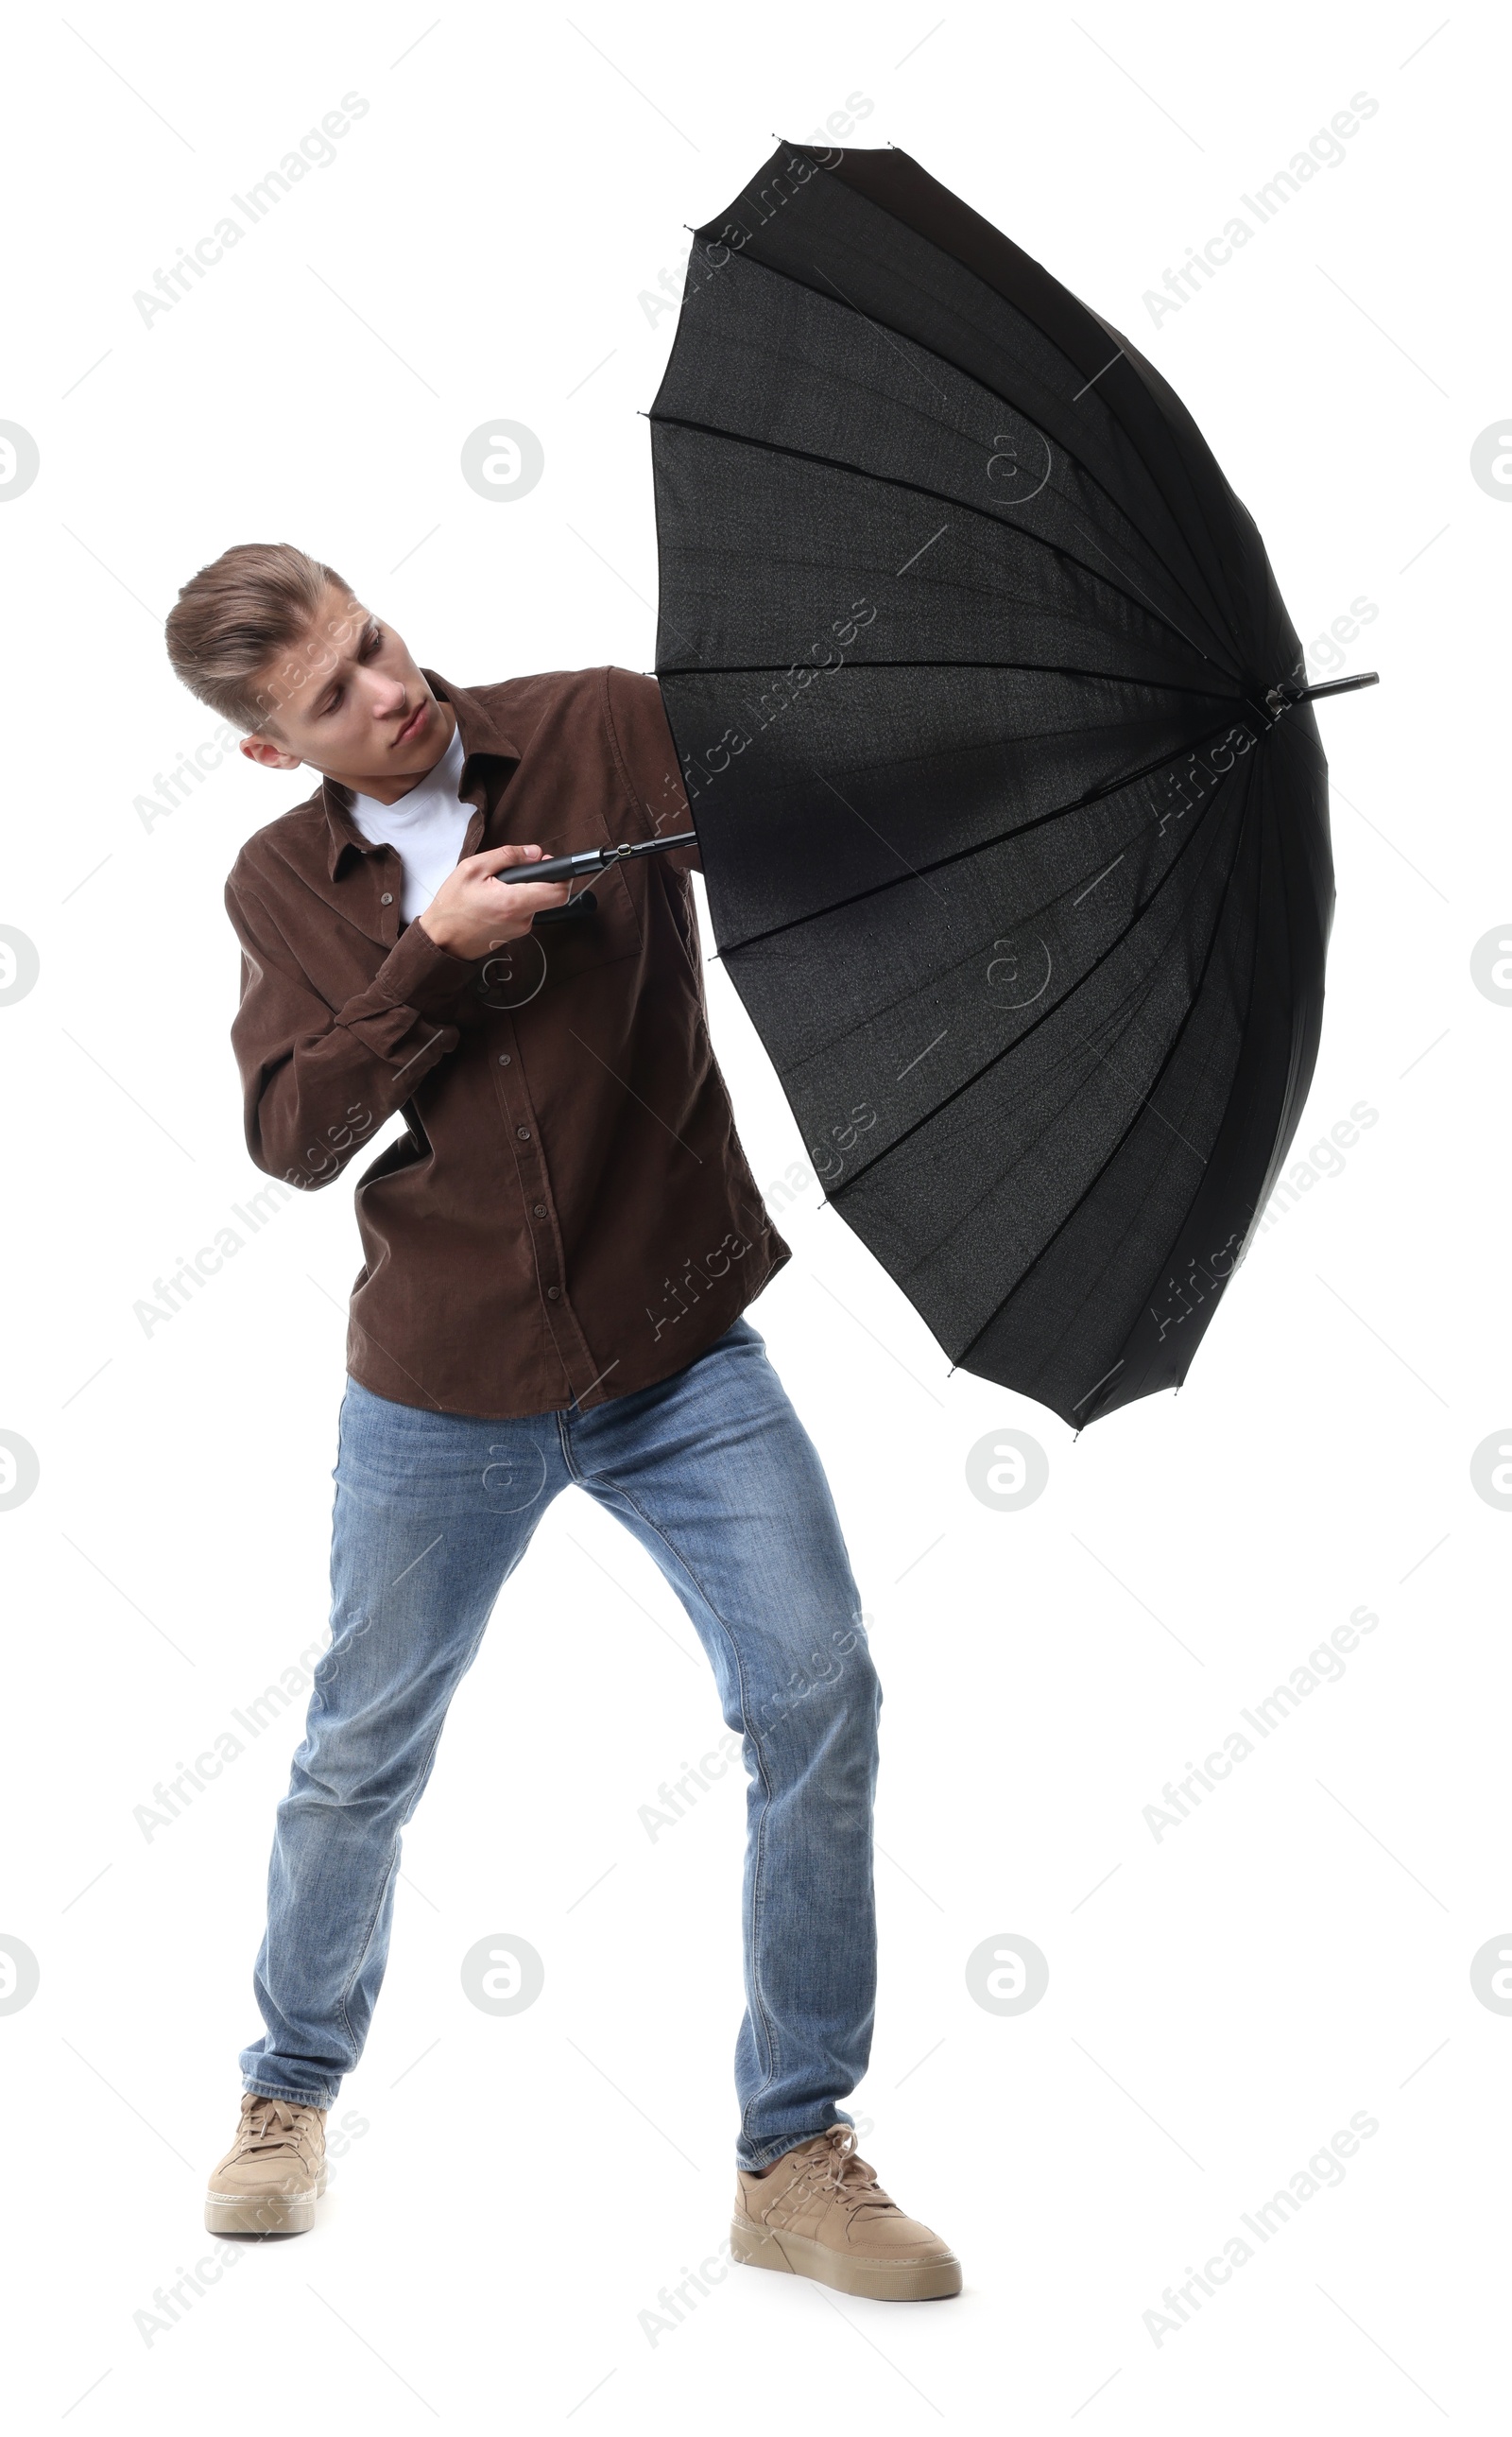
(348, 699)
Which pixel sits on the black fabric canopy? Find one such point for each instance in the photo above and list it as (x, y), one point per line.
(1012, 818)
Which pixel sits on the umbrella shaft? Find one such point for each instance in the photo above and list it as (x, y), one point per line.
(597, 858)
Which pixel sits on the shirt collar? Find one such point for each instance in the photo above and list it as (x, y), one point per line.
(487, 739)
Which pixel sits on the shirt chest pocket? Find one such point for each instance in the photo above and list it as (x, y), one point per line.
(549, 960)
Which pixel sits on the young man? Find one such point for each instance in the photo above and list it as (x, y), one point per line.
(559, 1249)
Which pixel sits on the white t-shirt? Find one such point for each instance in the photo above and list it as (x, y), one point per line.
(426, 827)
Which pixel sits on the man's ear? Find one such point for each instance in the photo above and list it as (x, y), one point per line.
(268, 755)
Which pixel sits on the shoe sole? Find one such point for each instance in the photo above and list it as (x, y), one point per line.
(269, 2213)
(798, 2254)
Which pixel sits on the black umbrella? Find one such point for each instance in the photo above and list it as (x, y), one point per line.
(1013, 815)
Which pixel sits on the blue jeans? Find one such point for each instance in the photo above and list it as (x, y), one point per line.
(714, 1474)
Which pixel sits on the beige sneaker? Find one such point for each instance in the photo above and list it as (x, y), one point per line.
(274, 2171)
(821, 2212)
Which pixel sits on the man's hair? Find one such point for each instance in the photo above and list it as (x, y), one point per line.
(236, 616)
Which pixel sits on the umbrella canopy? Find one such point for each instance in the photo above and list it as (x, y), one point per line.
(1012, 814)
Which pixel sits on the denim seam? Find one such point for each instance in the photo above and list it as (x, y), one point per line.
(393, 1861)
(362, 1951)
(757, 1908)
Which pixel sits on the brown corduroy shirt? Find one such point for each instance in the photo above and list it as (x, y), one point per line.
(568, 1215)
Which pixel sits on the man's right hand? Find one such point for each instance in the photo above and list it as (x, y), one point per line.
(471, 914)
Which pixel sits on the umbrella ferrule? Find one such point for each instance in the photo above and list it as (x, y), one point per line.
(1340, 685)
(1281, 697)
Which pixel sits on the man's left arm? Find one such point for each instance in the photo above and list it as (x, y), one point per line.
(646, 759)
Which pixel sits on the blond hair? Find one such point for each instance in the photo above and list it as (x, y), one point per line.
(234, 618)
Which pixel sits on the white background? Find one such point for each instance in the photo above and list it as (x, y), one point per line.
(1228, 1996)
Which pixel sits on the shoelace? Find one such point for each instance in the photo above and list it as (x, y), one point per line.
(838, 2172)
(271, 2124)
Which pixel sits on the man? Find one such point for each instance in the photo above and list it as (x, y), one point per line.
(559, 1250)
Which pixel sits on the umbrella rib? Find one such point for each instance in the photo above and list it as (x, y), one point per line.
(1199, 506)
(1273, 1164)
(926, 491)
(1030, 668)
(1014, 306)
(1093, 1183)
(1248, 1000)
(875, 1013)
(1209, 615)
(1145, 1099)
(1197, 1187)
(983, 845)
(1029, 915)
(971, 1081)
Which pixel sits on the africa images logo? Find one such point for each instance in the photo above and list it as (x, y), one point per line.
(1325, 150)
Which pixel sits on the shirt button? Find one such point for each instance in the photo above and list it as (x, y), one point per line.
(504, 1059)
(553, 1293)
(540, 1209)
(524, 1133)
(387, 898)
